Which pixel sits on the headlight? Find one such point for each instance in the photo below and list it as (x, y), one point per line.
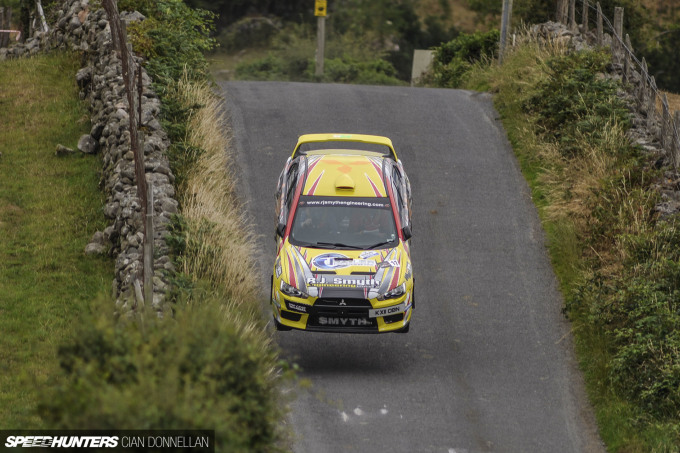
(396, 292)
(292, 291)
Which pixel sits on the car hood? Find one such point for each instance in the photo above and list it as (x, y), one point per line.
(343, 273)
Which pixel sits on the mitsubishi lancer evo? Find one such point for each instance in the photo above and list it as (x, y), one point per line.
(343, 261)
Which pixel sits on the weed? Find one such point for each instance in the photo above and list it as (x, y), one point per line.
(616, 262)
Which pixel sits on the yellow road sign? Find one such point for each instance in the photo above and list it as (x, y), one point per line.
(320, 8)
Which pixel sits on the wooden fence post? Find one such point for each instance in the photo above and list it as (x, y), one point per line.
(148, 247)
(618, 34)
(584, 16)
(562, 11)
(651, 103)
(600, 28)
(124, 50)
(665, 122)
(642, 89)
(628, 52)
(5, 22)
(675, 139)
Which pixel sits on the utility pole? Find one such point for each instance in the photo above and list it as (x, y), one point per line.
(320, 13)
(505, 23)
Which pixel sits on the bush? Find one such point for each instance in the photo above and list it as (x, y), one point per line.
(453, 60)
(644, 318)
(204, 368)
(576, 101)
(270, 67)
(172, 37)
(348, 59)
(374, 72)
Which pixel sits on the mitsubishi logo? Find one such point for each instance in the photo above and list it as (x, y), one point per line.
(342, 302)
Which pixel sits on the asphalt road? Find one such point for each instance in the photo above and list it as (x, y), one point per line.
(488, 364)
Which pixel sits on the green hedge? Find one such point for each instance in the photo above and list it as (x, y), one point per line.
(453, 60)
(203, 368)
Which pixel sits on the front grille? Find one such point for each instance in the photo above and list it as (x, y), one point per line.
(341, 313)
(342, 302)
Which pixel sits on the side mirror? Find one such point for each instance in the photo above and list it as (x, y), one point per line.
(281, 229)
(407, 232)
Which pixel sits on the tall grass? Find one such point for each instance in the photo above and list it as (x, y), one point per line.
(219, 245)
(613, 257)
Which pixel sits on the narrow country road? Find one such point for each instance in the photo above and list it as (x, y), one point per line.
(488, 364)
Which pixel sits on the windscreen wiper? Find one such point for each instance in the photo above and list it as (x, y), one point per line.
(338, 244)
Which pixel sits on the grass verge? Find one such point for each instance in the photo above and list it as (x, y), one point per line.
(49, 208)
(614, 257)
(211, 365)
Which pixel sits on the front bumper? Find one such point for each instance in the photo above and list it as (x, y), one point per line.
(346, 315)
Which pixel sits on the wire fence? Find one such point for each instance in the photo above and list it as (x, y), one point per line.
(132, 77)
(635, 72)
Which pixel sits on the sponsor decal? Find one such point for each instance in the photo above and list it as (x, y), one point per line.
(333, 261)
(297, 307)
(390, 263)
(344, 203)
(330, 261)
(368, 254)
(355, 322)
(340, 282)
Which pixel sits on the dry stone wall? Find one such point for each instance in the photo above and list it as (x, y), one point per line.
(87, 30)
(647, 126)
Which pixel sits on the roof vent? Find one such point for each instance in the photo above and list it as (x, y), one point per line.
(344, 182)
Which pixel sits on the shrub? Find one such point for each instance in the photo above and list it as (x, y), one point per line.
(645, 314)
(347, 60)
(204, 368)
(453, 60)
(375, 72)
(270, 67)
(172, 38)
(577, 101)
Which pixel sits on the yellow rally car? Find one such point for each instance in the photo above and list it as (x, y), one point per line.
(343, 264)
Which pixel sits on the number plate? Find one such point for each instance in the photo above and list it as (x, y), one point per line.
(393, 310)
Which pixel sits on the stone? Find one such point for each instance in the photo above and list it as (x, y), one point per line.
(94, 248)
(87, 144)
(63, 151)
(97, 130)
(84, 76)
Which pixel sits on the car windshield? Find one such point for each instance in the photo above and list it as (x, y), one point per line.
(344, 223)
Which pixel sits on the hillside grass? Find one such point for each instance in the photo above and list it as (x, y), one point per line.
(611, 253)
(49, 208)
(211, 364)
